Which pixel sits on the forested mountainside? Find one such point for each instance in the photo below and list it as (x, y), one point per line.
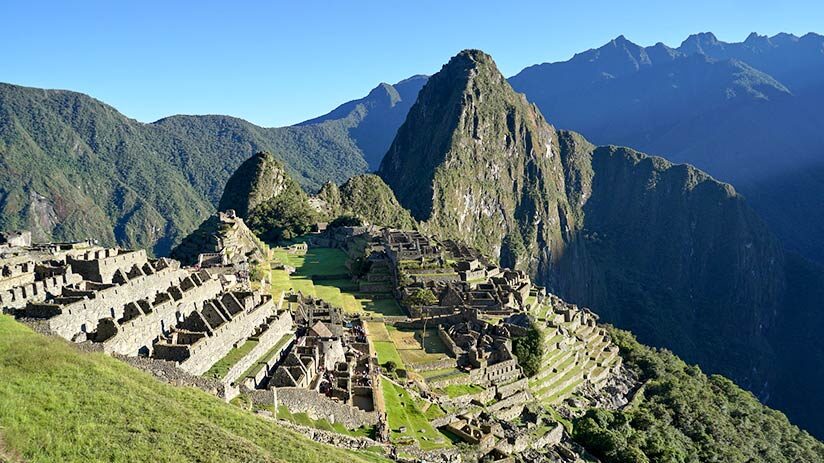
(663, 250)
(73, 167)
(747, 113)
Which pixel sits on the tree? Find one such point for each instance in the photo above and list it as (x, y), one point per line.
(421, 297)
(346, 220)
(529, 349)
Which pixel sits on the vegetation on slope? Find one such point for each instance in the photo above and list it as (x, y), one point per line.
(283, 217)
(366, 196)
(661, 249)
(58, 404)
(529, 350)
(74, 168)
(683, 415)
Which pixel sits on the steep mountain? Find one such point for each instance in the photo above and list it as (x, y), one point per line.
(368, 197)
(744, 112)
(661, 249)
(273, 204)
(75, 168)
(371, 122)
(258, 180)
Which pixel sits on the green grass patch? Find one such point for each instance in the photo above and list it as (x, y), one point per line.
(59, 404)
(268, 355)
(458, 390)
(219, 369)
(386, 306)
(305, 420)
(402, 411)
(416, 349)
(386, 352)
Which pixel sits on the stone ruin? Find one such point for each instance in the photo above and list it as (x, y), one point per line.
(329, 370)
(125, 303)
(221, 240)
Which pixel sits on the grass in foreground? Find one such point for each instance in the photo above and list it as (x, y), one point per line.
(57, 404)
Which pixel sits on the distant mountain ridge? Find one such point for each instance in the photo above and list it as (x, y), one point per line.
(746, 112)
(373, 120)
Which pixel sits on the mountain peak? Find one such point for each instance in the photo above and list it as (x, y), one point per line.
(698, 43)
(257, 180)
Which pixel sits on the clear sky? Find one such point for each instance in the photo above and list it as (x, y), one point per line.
(276, 63)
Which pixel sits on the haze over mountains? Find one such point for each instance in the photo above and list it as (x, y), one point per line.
(661, 249)
(748, 113)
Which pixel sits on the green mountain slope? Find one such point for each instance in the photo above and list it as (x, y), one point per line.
(59, 404)
(368, 197)
(683, 415)
(74, 168)
(663, 250)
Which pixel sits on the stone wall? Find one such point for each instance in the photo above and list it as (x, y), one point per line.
(168, 372)
(318, 406)
(37, 291)
(436, 365)
(205, 352)
(496, 373)
(83, 316)
(138, 333)
(278, 328)
(450, 345)
(100, 265)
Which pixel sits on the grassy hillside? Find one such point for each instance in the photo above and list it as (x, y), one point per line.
(58, 404)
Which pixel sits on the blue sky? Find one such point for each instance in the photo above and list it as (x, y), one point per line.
(277, 63)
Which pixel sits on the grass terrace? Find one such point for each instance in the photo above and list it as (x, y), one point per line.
(403, 412)
(305, 420)
(386, 352)
(219, 369)
(458, 390)
(408, 343)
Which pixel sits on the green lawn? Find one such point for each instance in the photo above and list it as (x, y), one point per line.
(384, 306)
(386, 351)
(402, 411)
(408, 343)
(458, 390)
(317, 262)
(322, 262)
(219, 369)
(58, 404)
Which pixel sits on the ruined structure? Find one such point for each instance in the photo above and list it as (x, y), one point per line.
(222, 239)
(127, 304)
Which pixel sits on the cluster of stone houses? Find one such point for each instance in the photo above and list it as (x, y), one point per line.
(331, 355)
(128, 304)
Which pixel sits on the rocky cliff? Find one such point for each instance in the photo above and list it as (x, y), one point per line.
(661, 249)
